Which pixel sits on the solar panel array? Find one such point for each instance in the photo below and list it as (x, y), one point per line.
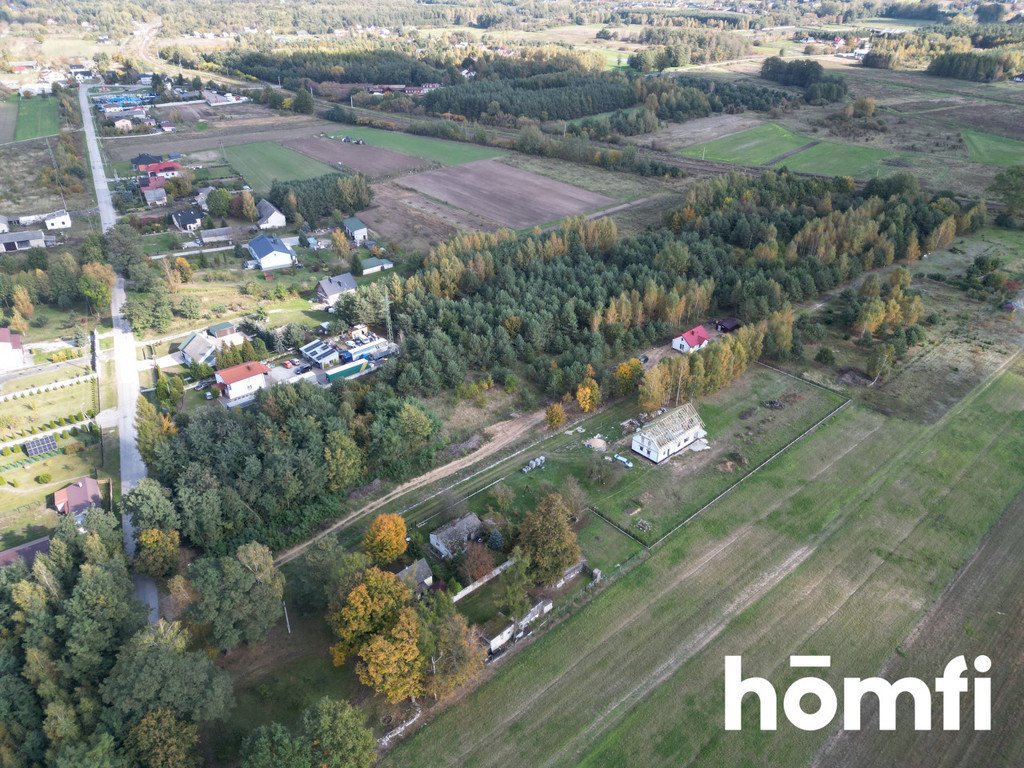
(40, 445)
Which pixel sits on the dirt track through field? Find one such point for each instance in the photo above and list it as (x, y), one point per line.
(371, 161)
(503, 435)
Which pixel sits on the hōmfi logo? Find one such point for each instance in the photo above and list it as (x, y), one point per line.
(951, 686)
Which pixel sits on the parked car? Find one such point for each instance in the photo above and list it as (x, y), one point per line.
(644, 359)
(288, 363)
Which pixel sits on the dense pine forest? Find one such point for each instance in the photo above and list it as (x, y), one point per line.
(556, 310)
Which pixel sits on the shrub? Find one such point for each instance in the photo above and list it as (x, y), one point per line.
(826, 356)
(44, 478)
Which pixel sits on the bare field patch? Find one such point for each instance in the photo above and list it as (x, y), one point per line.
(993, 118)
(672, 136)
(371, 161)
(241, 129)
(20, 188)
(402, 217)
(507, 196)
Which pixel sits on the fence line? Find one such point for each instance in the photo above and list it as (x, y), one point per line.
(755, 470)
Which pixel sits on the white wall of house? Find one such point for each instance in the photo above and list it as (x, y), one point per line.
(59, 221)
(275, 220)
(646, 447)
(11, 358)
(246, 387)
(275, 260)
(679, 344)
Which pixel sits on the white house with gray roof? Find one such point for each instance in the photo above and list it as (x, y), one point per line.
(451, 538)
(270, 217)
(330, 289)
(666, 436)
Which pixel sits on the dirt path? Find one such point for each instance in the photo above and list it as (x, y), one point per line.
(503, 434)
(792, 152)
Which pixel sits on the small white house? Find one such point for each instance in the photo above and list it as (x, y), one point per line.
(57, 220)
(271, 253)
(330, 289)
(202, 195)
(496, 633)
(123, 125)
(375, 264)
(5, 225)
(243, 380)
(270, 217)
(667, 436)
(189, 220)
(355, 229)
(693, 340)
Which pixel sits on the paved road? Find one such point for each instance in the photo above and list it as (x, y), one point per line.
(132, 467)
(108, 216)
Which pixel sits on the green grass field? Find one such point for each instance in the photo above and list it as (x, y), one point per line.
(851, 534)
(993, 150)
(766, 142)
(754, 146)
(263, 162)
(833, 159)
(37, 117)
(436, 150)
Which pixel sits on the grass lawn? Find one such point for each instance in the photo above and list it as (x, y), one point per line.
(478, 607)
(29, 380)
(263, 162)
(161, 242)
(852, 533)
(51, 322)
(44, 407)
(24, 514)
(427, 147)
(37, 117)
(834, 159)
(993, 150)
(754, 146)
(742, 434)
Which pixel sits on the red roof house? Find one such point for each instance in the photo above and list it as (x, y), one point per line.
(78, 497)
(242, 380)
(168, 169)
(694, 339)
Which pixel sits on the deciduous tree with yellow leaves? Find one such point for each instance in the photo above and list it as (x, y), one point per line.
(385, 538)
